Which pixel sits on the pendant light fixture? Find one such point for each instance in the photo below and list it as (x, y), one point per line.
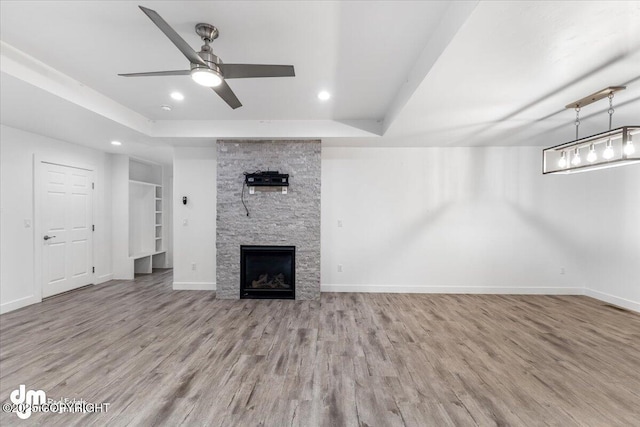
(604, 150)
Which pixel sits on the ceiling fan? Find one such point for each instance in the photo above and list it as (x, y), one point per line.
(206, 68)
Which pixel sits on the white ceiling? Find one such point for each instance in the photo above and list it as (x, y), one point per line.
(401, 73)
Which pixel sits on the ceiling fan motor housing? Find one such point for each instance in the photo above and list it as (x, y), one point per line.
(210, 58)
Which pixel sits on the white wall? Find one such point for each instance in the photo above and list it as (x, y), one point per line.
(17, 150)
(612, 226)
(145, 172)
(449, 220)
(122, 265)
(194, 176)
(167, 214)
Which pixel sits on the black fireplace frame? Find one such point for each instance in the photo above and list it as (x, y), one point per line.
(267, 293)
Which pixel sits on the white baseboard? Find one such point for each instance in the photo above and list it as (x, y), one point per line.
(104, 278)
(407, 289)
(194, 286)
(19, 303)
(611, 299)
(417, 289)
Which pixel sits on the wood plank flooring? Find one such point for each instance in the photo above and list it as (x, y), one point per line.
(164, 357)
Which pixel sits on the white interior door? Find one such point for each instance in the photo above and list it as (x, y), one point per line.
(67, 216)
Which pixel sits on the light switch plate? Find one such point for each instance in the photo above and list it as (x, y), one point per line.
(252, 190)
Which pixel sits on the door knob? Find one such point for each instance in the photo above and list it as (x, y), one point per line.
(48, 237)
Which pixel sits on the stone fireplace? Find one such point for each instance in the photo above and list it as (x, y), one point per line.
(280, 237)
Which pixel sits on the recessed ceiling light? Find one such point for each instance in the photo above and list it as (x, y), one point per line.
(166, 107)
(323, 95)
(116, 143)
(177, 96)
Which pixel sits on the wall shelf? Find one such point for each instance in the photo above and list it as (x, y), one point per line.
(146, 254)
(146, 243)
(144, 263)
(141, 214)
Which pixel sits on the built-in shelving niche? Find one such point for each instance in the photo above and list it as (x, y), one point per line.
(146, 242)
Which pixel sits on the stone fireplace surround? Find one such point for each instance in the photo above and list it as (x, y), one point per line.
(277, 219)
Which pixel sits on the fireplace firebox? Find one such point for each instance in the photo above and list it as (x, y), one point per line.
(267, 272)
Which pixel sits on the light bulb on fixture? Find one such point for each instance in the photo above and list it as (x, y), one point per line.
(323, 95)
(576, 157)
(608, 151)
(629, 149)
(563, 160)
(206, 76)
(592, 156)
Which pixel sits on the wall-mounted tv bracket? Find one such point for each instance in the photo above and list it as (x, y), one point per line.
(267, 179)
(263, 179)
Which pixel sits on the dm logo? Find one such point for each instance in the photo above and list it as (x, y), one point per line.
(26, 400)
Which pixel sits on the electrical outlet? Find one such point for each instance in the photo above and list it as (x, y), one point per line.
(339, 268)
(339, 223)
(27, 223)
(193, 266)
(185, 222)
(562, 270)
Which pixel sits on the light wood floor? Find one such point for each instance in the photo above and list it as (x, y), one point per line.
(169, 357)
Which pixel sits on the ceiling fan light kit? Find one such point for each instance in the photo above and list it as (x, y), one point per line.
(612, 148)
(207, 69)
(205, 76)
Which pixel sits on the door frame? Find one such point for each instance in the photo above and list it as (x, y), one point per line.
(38, 161)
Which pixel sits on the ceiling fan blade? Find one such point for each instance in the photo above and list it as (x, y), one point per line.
(244, 71)
(186, 50)
(158, 73)
(227, 94)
